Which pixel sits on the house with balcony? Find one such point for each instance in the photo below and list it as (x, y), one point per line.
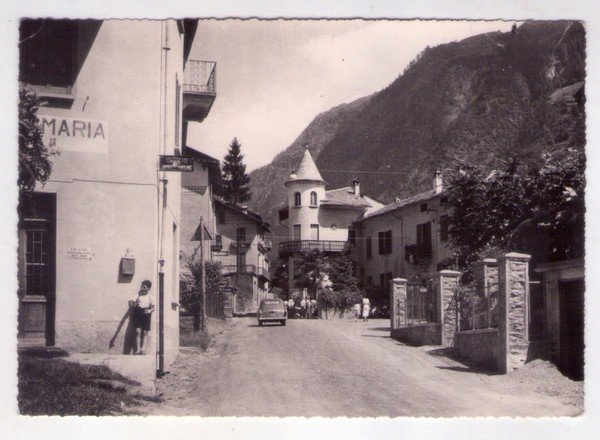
(241, 247)
(407, 238)
(317, 218)
(108, 217)
(199, 188)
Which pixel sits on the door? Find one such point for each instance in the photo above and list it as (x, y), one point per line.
(571, 328)
(296, 232)
(314, 232)
(36, 269)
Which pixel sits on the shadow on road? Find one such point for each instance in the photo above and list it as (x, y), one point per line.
(266, 325)
(380, 329)
(465, 367)
(375, 336)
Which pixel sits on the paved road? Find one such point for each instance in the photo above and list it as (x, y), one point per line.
(335, 368)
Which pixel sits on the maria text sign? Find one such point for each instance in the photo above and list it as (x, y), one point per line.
(81, 135)
(176, 163)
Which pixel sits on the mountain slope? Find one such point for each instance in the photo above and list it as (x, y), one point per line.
(480, 100)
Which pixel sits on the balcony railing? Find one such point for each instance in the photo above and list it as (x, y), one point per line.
(234, 268)
(199, 89)
(288, 247)
(417, 253)
(200, 77)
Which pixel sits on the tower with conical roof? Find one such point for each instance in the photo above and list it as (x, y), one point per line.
(306, 188)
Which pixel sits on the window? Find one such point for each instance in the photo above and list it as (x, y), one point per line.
(423, 207)
(313, 198)
(444, 228)
(314, 232)
(219, 240)
(48, 53)
(241, 235)
(424, 234)
(297, 232)
(369, 247)
(220, 217)
(297, 199)
(444, 201)
(352, 235)
(385, 242)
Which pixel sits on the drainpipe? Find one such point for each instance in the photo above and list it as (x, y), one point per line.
(161, 271)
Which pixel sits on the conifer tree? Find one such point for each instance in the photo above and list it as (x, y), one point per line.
(235, 179)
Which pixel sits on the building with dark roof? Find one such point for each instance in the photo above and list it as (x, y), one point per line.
(407, 238)
(319, 219)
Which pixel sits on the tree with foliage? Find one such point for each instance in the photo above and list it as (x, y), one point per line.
(191, 294)
(280, 279)
(331, 278)
(235, 179)
(536, 208)
(35, 165)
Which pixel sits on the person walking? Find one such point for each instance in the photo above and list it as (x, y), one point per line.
(366, 308)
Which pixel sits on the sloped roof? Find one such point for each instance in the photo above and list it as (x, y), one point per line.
(307, 170)
(417, 198)
(344, 197)
(245, 212)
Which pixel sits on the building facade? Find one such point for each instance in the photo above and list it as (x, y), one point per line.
(319, 219)
(115, 100)
(241, 247)
(407, 238)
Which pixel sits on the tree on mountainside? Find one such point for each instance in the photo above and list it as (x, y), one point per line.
(35, 165)
(235, 180)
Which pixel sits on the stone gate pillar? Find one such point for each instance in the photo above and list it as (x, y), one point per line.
(397, 303)
(445, 285)
(513, 299)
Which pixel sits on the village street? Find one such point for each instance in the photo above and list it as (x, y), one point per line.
(347, 368)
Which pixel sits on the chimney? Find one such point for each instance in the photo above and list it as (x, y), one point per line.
(437, 182)
(356, 187)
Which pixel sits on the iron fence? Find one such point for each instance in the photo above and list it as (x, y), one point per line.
(477, 306)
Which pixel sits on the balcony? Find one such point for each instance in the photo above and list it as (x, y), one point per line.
(264, 273)
(199, 89)
(417, 253)
(289, 247)
(230, 269)
(239, 246)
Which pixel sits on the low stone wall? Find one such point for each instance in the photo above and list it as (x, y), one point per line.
(479, 346)
(419, 334)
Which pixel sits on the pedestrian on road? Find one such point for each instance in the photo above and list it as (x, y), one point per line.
(142, 308)
(366, 307)
(290, 306)
(357, 310)
(303, 307)
(313, 306)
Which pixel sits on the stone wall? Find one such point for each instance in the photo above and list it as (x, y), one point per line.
(479, 346)
(419, 334)
(446, 283)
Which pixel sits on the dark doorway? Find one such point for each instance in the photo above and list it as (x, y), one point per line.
(571, 328)
(36, 268)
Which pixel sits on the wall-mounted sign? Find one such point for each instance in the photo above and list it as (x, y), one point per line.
(74, 134)
(80, 253)
(176, 163)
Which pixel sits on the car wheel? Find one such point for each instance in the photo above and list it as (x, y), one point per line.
(260, 323)
(283, 322)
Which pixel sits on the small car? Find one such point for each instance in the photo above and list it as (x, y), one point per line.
(271, 310)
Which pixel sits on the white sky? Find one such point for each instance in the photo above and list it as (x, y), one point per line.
(275, 76)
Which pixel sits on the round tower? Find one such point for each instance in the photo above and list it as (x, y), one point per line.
(306, 189)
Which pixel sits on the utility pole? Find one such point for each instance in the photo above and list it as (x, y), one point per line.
(202, 276)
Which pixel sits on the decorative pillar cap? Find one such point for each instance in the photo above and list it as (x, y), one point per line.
(515, 256)
(448, 273)
(399, 280)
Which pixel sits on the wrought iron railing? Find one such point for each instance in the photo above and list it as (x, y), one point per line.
(311, 245)
(234, 268)
(200, 77)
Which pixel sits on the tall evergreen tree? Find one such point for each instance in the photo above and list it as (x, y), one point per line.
(235, 179)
